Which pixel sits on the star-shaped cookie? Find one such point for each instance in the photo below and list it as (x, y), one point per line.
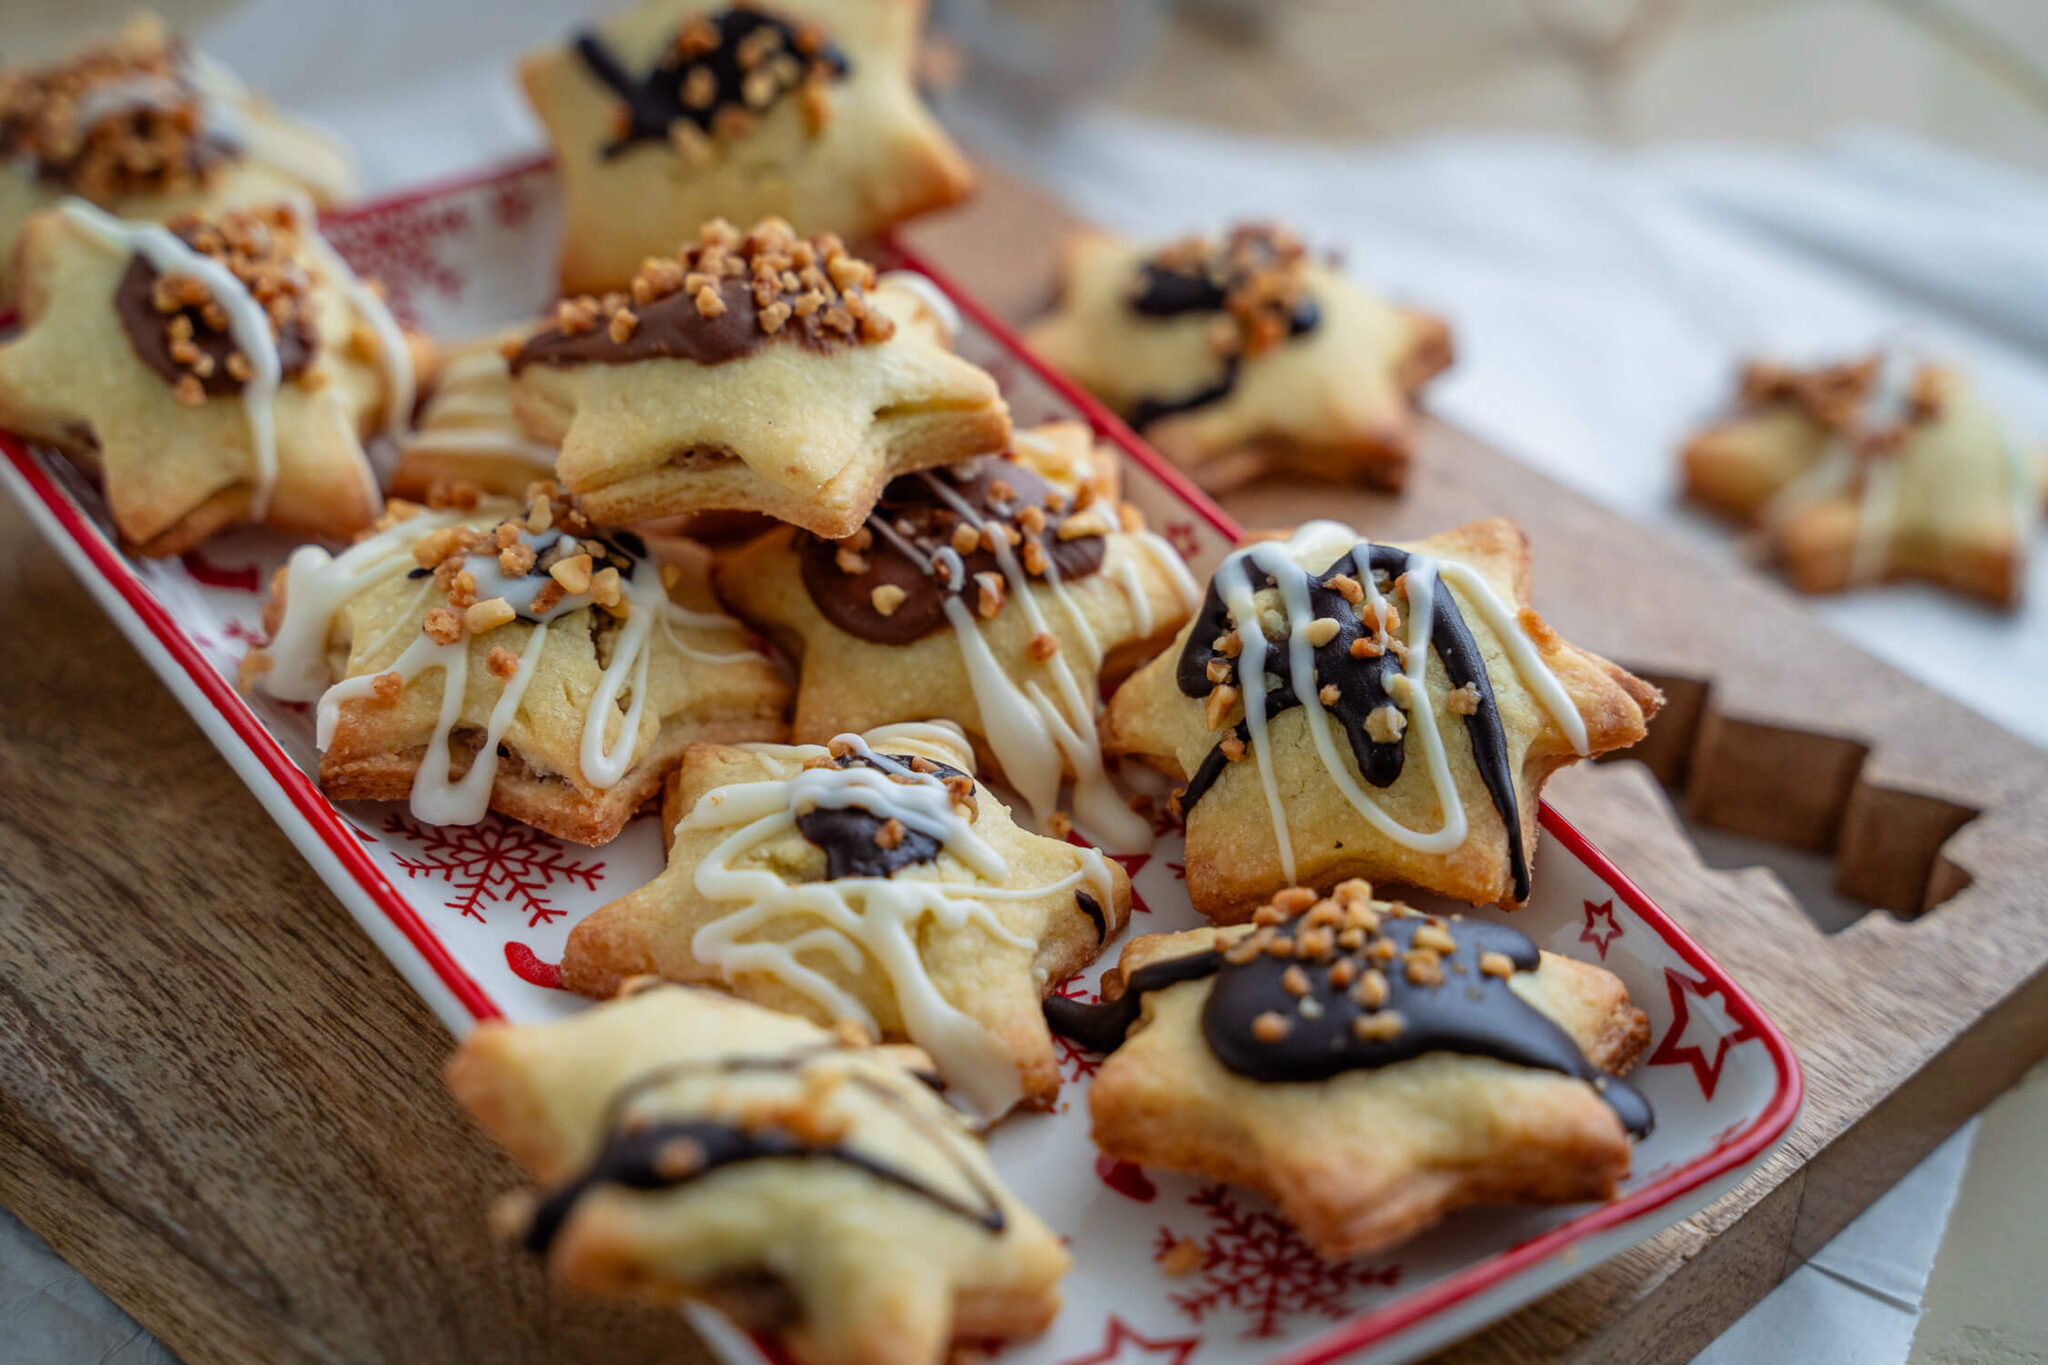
(212, 371)
(1340, 708)
(676, 111)
(1367, 1067)
(145, 128)
(757, 372)
(998, 594)
(1243, 355)
(1887, 467)
(509, 659)
(466, 434)
(694, 1146)
(871, 881)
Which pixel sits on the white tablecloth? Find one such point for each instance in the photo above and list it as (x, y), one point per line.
(1601, 301)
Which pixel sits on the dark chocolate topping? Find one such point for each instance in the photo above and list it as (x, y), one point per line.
(148, 333)
(670, 328)
(1092, 908)
(665, 95)
(848, 834)
(1257, 1027)
(1235, 278)
(1362, 688)
(913, 509)
(641, 1157)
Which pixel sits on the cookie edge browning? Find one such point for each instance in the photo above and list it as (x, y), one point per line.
(1610, 1029)
(1615, 719)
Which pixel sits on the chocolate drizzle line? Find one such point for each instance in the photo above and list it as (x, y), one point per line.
(1092, 908)
(1361, 688)
(913, 528)
(655, 103)
(848, 833)
(1192, 277)
(1466, 1010)
(632, 1156)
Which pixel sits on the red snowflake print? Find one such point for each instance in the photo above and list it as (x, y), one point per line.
(1601, 926)
(1127, 1178)
(1180, 871)
(1075, 1061)
(1701, 1030)
(513, 201)
(498, 862)
(528, 966)
(1181, 536)
(1255, 1263)
(396, 246)
(1165, 822)
(204, 570)
(1124, 1345)
(241, 634)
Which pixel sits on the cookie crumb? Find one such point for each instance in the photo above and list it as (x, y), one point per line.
(1059, 825)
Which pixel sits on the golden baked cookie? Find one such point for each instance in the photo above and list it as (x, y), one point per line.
(143, 127)
(522, 662)
(756, 372)
(214, 370)
(869, 881)
(1242, 356)
(1887, 467)
(693, 1146)
(677, 111)
(466, 432)
(998, 594)
(1413, 706)
(1367, 1067)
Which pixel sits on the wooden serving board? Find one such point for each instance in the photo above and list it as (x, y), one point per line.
(222, 1104)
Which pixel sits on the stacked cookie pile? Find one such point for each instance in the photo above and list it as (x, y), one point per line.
(737, 437)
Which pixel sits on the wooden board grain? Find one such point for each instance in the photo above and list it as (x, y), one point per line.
(223, 1105)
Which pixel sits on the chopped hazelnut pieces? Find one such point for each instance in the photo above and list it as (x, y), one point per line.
(890, 835)
(989, 594)
(1294, 981)
(1386, 724)
(1233, 748)
(502, 662)
(1328, 695)
(1422, 967)
(607, 589)
(1320, 631)
(1366, 647)
(388, 686)
(1216, 709)
(1496, 964)
(1371, 990)
(849, 561)
(443, 625)
(1042, 646)
(1184, 1257)
(886, 598)
(1463, 701)
(1434, 937)
(1382, 1027)
(488, 615)
(1271, 1026)
(573, 573)
(1059, 825)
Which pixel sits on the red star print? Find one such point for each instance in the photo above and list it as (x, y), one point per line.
(1181, 536)
(1593, 933)
(1675, 1050)
(1121, 1345)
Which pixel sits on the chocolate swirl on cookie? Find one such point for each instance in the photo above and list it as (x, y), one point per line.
(1252, 281)
(860, 843)
(185, 335)
(721, 73)
(719, 299)
(1319, 988)
(932, 536)
(1359, 667)
(664, 1154)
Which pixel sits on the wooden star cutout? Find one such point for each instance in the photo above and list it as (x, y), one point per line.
(872, 882)
(1243, 356)
(1883, 468)
(1013, 647)
(693, 1146)
(676, 111)
(1408, 721)
(178, 461)
(1368, 1068)
(756, 372)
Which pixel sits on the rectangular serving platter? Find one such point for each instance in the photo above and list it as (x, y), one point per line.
(474, 918)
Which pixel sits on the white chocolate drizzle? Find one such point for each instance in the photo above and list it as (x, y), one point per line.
(869, 923)
(927, 293)
(248, 323)
(318, 585)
